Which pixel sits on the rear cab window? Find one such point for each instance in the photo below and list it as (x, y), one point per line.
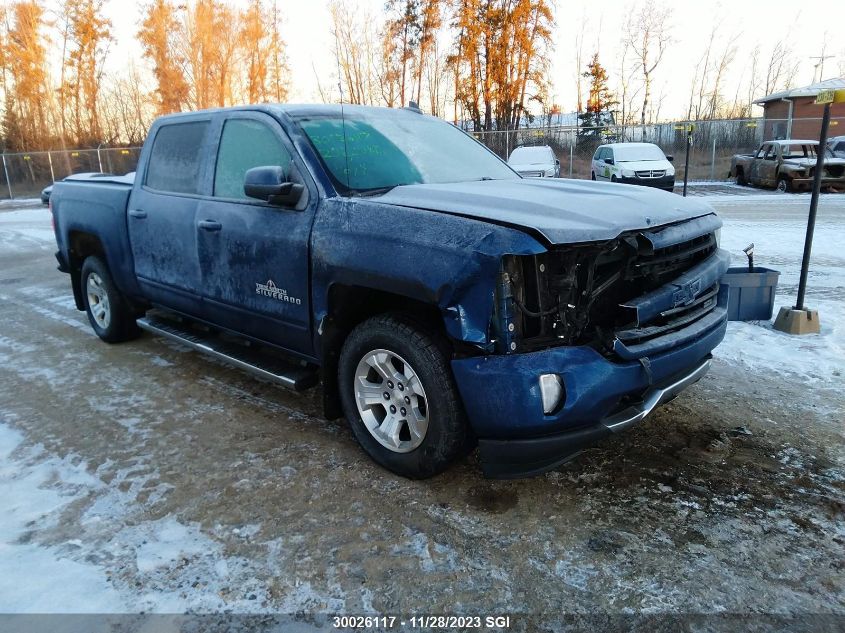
(176, 157)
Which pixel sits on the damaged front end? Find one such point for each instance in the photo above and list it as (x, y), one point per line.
(625, 298)
(590, 339)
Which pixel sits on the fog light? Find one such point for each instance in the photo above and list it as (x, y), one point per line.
(551, 391)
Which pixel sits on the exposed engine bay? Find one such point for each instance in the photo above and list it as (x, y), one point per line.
(577, 295)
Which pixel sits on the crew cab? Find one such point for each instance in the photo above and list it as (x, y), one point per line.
(441, 300)
(787, 165)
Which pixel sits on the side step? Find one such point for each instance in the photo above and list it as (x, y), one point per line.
(278, 370)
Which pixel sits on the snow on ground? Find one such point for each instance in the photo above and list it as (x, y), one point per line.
(69, 576)
(779, 243)
(35, 487)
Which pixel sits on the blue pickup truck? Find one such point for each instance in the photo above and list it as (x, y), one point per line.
(441, 300)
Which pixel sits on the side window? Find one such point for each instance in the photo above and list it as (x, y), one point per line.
(175, 158)
(840, 147)
(245, 144)
(772, 154)
(608, 153)
(597, 155)
(762, 151)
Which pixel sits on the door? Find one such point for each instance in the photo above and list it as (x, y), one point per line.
(254, 256)
(606, 169)
(768, 173)
(161, 213)
(758, 164)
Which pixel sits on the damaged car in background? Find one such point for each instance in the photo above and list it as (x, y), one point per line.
(441, 300)
(788, 165)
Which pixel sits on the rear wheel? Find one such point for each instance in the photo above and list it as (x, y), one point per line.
(109, 313)
(784, 186)
(399, 396)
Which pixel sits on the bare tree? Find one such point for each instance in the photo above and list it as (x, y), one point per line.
(579, 60)
(780, 69)
(354, 51)
(649, 33)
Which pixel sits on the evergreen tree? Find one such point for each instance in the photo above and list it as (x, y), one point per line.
(599, 101)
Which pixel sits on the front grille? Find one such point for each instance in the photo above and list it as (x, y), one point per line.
(582, 295)
(673, 319)
(666, 263)
(531, 174)
(653, 173)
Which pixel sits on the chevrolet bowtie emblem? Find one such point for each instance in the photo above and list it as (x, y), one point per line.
(686, 294)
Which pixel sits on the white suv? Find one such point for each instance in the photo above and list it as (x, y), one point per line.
(633, 164)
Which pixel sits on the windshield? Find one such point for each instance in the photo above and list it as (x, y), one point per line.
(380, 149)
(629, 153)
(530, 155)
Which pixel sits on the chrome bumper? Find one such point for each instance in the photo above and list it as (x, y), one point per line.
(653, 398)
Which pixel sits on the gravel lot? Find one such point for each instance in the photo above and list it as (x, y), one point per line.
(180, 484)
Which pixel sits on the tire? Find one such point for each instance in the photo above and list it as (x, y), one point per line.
(784, 186)
(110, 315)
(423, 437)
(592, 175)
(740, 178)
(613, 178)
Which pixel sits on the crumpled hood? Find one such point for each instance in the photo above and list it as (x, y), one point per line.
(563, 211)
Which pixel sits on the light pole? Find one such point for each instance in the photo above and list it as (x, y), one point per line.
(798, 319)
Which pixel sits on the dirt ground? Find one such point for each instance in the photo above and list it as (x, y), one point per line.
(730, 499)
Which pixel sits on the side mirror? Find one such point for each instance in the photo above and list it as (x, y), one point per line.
(609, 161)
(271, 184)
(557, 163)
(670, 158)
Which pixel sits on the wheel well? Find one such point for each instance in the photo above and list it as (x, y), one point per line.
(347, 307)
(740, 169)
(80, 246)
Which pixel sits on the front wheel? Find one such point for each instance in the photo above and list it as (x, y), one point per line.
(592, 175)
(399, 396)
(613, 178)
(110, 315)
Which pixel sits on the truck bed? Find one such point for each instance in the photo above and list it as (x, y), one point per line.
(97, 207)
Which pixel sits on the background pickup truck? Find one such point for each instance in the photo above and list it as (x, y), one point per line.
(441, 299)
(787, 165)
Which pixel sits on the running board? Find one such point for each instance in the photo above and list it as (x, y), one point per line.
(274, 369)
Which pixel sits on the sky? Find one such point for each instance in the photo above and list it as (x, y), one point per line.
(803, 23)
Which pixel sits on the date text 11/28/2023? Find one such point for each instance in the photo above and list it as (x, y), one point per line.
(495, 622)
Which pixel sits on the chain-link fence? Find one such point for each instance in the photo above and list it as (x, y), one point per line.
(713, 142)
(25, 174)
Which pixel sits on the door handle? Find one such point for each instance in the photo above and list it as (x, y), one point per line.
(210, 225)
(138, 213)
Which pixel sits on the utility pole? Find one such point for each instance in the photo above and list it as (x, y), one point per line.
(819, 65)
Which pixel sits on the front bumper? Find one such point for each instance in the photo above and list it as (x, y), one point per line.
(504, 459)
(502, 397)
(806, 184)
(666, 182)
